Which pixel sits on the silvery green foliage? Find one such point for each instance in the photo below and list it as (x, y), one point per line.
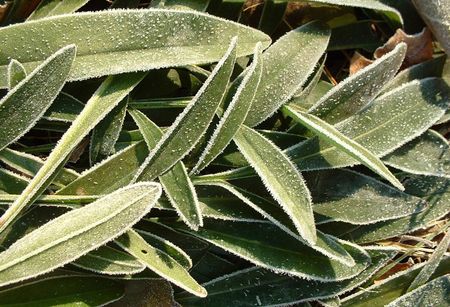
(49, 8)
(15, 73)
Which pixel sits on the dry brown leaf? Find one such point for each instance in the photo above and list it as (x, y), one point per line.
(394, 270)
(358, 62)
(420, 46)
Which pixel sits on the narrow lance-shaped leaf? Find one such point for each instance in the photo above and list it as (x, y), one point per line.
(109, 94)
(281, 178)
(64, 290)
(16, 73)
(382, 127)
(235, 113)
(77, 232)
(133, 40)
(434, 293)
(429, 268)
(160, 262)
(49, 8)
(352, 94)
(22, 107)
(287, 65)
(65, 108)
(429, 154)
(265, 245)
(175, 182)
(193, 122)
(347, 145)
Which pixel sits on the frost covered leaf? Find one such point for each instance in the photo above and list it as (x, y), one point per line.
(65, 108)
(343, 143)
(355, 92)
(21, 108)
(235, 113)
(107, 260)
(420, 46)
(393, 287)
(432, 263)
(429, 154)
(106, 133)
(12, 183)
(176, 183)
(287, 65)
(434, 293)
(350, 197)
(192, 123)
(63, 290)
(49, 8)
(389, 122)
(435, 190)
(265, 245)
(160, 262)
(77, 232)
(436, 14)
(255, 286)
(133, 40)
(281, 178)
(16, 73)
(109, 94)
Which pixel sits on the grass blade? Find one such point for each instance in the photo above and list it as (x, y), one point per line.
(76, 233)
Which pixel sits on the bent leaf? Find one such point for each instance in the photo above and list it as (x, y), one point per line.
(345, 144)
(352, 94)
(76, 233)
(287, 66)
(281, 178)
(16, 73)
(175, 182)
(193, 122)
(135, 40)
(160, 262)
(22, 107)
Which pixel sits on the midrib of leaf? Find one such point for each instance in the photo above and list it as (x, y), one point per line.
(73, 235)
(108, 260)
(96, 108)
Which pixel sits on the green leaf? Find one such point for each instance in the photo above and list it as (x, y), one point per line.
(351, 197)
(255, 286)
(76, 233)
(343, 143)
(435, 190)
(175, 181)
(30, 165)
(107, 260)
(382, 127)
(109, 94)
(65, 108)
(135, 40)
(16, 73)
(160, 262)
(37, 91)
(432, 263)
(434, 293)
(198, 5)
(355, 92)
(429, 154)
(287, 65)
(235, 113)
(49, 8)
(106, 133)
(11, 183)
(391, 288)
(192, 123)
(281, 178)
(265, 245)
(63, 291)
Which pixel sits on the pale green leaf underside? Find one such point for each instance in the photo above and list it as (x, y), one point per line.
(301, 49)
(22, 107)
(160, 262)
(343, 143)
(133, 40)
(175, 182)
(192, 123)
(352, 94)
(265, 245)
(77, 232)
(281, 178)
